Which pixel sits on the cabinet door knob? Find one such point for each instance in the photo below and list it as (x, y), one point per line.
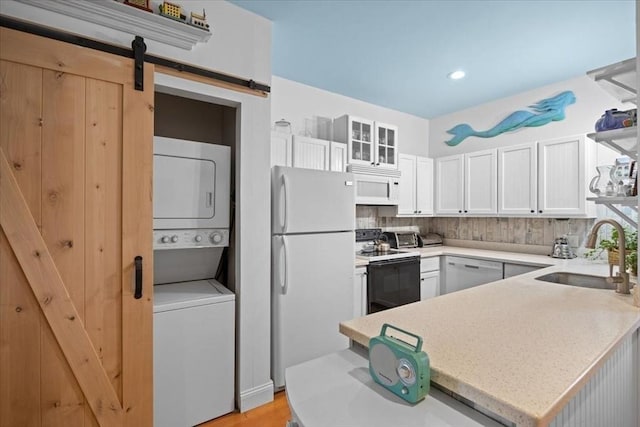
(419, 211)
(540, 211)
(532, 211)
(378, 164)
(465, 211)
(460, 211)
(422, 280)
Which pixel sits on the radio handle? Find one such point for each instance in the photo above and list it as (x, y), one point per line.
(418, 346)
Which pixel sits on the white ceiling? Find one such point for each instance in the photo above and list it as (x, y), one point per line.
(397, 54)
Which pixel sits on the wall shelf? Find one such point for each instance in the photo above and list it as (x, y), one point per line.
(128, 19)
(613, 203)
(618, 79)
(624, 140)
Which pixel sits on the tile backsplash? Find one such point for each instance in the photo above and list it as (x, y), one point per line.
(523, 231)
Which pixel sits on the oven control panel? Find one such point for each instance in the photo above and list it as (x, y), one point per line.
(191, 238)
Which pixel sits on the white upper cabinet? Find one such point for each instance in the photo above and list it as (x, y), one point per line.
(424, 186)
(562, 178)
(386, 145)
(415, 195)
(467, 184)
(311, 153)
(481, 179)
(546, 178)
(281, 151)
(305, 152)
(407, 196)
(369, 143)
(450, 185)
(338, 157)
(517, 180)
(416, 185)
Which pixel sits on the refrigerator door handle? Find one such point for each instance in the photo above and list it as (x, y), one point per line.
(285, 184)
(284, 284)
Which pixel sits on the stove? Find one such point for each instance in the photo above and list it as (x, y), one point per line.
(386, 255)
(365, 242)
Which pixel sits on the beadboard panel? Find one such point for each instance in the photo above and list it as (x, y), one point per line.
(610, 398)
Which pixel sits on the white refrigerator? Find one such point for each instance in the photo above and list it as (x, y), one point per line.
(312, 255)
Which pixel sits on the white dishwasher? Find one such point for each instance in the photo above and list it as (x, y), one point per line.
(462, 273)
(193, 347)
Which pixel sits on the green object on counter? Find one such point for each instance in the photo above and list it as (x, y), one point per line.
(399, 366)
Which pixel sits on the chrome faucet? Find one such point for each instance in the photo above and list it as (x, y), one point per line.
(622, 277)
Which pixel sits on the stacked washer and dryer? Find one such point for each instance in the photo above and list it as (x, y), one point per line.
(194, 314)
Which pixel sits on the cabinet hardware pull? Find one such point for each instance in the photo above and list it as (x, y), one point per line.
(138, 267)
(471, 266)
(540, 211)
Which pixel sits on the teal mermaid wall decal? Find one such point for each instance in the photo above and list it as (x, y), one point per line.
(545, 111)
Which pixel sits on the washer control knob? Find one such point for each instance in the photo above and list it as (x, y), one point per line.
(216, 237)
(198, 238)
(174, 238)
(165, 239)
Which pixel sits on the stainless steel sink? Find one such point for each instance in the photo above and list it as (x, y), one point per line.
(575, 279)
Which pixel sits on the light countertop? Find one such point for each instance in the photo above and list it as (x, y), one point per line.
(520, 258)
(520, 347)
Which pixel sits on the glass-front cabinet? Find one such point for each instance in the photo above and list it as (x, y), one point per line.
(361, 141)
(369, 143)
(386, 142)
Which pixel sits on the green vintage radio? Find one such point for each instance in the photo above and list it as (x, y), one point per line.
(399, 366)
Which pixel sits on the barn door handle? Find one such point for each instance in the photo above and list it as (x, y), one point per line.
(138, 265)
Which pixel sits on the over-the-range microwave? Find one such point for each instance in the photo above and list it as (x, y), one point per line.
(375, 186)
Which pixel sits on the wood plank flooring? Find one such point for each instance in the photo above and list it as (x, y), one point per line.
(274, 414)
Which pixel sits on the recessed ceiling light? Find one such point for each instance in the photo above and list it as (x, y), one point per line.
(456, 75)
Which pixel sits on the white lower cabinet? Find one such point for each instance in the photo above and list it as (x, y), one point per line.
(429, 278)
(360, 292)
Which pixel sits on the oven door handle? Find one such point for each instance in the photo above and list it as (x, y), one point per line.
(284, 276)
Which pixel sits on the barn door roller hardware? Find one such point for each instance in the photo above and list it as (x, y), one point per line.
(139, 48)
(137, 52)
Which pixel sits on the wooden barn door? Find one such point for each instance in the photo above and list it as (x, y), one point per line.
(75, 193)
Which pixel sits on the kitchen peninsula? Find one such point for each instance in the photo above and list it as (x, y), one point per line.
(531, 352)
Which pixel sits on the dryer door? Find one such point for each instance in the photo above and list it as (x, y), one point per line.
(183, 188)
(190, 184)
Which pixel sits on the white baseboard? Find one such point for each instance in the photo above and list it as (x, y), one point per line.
(256, 396)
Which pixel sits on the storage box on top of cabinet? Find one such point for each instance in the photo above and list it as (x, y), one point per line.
(369, 143)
